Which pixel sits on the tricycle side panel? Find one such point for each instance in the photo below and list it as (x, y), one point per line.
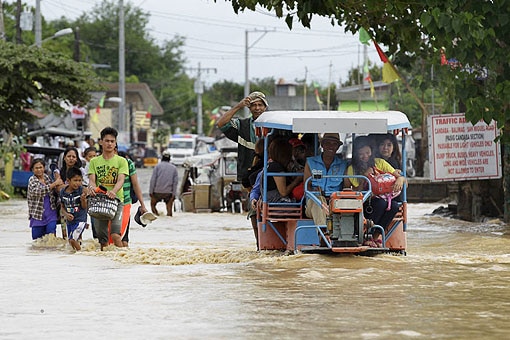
(269, 239)
(397, 240)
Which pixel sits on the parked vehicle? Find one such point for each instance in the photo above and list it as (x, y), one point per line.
(52, 157)
(150, 158)
(284, 226)
(181, 146)
(137, 153)
(209, 182)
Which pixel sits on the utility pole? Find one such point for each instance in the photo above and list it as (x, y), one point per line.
(304, 89)
(329, 86)
(38, 29)
(199, 90)
(19, 41)
(122, 70)
(76, 52)
(359, 85)
(246, 52)
(2, 25)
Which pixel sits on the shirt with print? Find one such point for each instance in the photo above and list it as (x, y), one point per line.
(72, 204)
(107, 172)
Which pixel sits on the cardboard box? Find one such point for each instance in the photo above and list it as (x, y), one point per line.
(187, 202)
(202, 195)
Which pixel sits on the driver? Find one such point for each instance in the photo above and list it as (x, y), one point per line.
(327, 163)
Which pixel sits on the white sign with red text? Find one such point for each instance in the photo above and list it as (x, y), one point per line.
(78, 112)
(459, 151)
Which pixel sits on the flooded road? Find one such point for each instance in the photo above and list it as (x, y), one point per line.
(198, 276)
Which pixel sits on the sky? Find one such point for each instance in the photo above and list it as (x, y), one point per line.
(215, 40)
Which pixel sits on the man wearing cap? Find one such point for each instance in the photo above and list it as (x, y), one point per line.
(327, 163)
(242, 131)
(163, 184)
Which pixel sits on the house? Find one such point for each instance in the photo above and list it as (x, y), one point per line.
(286, 98)
(359, 97)
(141, 107)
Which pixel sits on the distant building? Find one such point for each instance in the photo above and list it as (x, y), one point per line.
(141, 108)
(284, 89)
(350, 98)
(286, 98)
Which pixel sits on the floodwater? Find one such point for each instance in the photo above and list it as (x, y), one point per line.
(197, 276)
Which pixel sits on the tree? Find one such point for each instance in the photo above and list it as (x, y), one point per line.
(355, 75)
(225, 93)
(265, 85)
(475, 33)
(160, 66)
(34, 76)
(99, 30)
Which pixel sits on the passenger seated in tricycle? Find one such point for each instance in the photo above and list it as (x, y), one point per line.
(279, 188)
(381, 207)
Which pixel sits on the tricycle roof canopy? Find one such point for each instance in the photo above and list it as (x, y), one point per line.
(334, 121)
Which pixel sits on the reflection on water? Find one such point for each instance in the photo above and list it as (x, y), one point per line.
(197, 275)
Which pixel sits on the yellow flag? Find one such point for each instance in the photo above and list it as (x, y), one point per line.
(95, 118)
(388, 73)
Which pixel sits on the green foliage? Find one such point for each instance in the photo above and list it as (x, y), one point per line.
(99, 32)
(224, 93)
(161, 136)
(160, 66)
(178, 99)
(355, 74)
(264, 85)
(476, 33)
(10, 150)
(34, 77)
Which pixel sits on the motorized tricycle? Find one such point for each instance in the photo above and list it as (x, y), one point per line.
(52, 158)
(284, 226)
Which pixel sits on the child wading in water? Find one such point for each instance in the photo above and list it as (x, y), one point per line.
(74, 206)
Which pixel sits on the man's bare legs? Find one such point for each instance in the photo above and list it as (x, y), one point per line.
(153, 206)
(170, 206)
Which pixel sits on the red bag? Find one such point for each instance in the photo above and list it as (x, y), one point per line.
(381, 182)
(299, 191)
(382, 185)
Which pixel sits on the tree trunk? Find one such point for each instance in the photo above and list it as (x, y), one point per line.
(506, 175)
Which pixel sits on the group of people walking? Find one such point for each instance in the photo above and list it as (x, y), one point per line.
(61, 196)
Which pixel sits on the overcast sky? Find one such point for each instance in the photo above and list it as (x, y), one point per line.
(215, 38)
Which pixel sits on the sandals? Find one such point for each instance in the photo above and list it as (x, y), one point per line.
(373, 243)
(370, 243)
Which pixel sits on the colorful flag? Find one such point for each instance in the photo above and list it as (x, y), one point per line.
(317, 95)
(364, 37)
(389, 75)
(100, 104)
(95, 117)
(443, 57)
(372, 88)
(148, 115)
